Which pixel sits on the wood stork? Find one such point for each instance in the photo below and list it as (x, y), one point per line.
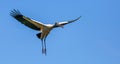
(43, 28)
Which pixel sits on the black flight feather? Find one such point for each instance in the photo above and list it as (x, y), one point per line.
(24, 20)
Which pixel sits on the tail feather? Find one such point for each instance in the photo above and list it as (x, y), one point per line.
(38, 35)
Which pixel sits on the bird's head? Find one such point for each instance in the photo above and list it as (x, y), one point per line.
(58, 25)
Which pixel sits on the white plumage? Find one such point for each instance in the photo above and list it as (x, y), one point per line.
(43, 28)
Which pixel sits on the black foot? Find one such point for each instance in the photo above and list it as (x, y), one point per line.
(44, 51)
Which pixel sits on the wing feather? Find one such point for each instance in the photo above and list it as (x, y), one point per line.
(26, 21)
(67, 22)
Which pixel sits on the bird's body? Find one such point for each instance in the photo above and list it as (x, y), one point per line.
(43, 28)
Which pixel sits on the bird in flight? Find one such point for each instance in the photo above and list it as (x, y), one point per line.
(43, 28)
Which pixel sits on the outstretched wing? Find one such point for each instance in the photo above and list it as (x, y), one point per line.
(67, 22)
(26, 21)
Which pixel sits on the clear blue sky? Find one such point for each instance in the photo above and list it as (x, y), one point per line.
(94, 39)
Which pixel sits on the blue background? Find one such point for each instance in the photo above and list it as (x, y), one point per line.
(94, 39)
